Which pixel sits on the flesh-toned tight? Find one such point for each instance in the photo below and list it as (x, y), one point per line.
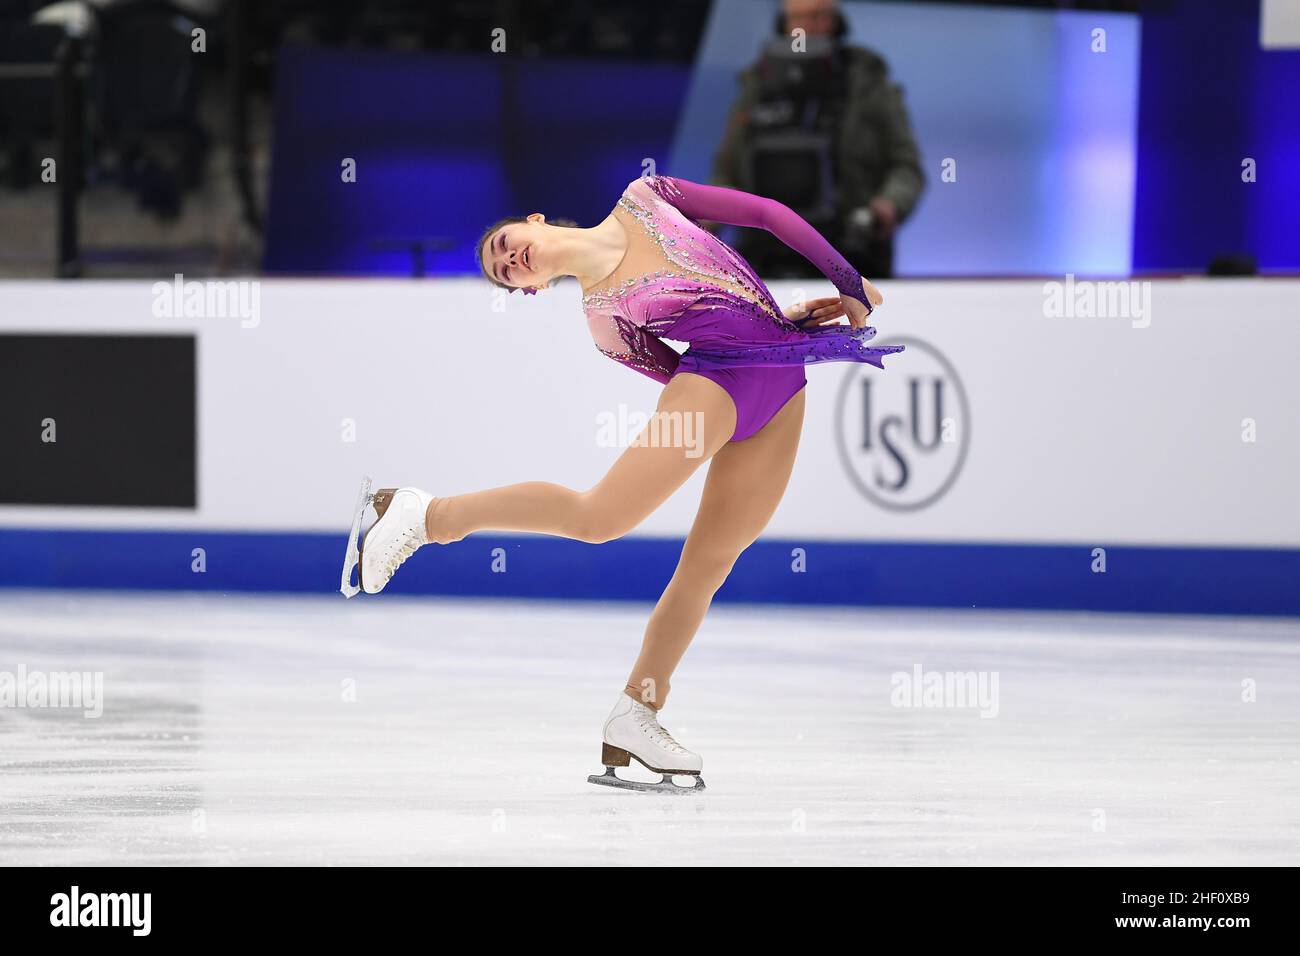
(745, 482)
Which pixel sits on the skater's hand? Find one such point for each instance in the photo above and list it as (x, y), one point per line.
(815, 312)
(874, 295)
(856, 311)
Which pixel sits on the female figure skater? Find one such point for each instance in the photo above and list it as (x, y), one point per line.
(650, 270)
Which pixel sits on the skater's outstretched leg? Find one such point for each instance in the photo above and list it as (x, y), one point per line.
(640, 480)
(745, 484)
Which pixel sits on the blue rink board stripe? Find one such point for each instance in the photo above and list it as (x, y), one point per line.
(1035, 576)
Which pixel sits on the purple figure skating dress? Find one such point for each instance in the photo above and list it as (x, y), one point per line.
(679, 281)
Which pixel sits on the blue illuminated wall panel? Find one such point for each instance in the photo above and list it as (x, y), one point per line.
(447, 144)
(1212, 97)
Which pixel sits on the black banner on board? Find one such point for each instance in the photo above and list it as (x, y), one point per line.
(98, 420)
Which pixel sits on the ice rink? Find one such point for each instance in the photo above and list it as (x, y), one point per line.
(283, 730)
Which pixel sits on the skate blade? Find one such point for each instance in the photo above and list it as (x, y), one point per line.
(664, 785)
(352, 555)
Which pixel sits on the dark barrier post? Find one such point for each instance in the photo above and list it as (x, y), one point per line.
(238, 44)
(68, 128)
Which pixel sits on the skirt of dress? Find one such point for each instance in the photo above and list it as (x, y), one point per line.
(836, 344)
(761, 377)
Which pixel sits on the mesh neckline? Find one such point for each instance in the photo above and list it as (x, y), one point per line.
(664, 266)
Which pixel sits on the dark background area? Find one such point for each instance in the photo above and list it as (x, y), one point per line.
(211, 165)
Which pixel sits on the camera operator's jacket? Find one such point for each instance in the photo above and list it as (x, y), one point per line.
(877, 154)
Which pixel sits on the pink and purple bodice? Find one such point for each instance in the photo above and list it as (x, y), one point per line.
(679, 281)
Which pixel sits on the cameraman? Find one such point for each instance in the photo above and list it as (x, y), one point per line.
(819, 126)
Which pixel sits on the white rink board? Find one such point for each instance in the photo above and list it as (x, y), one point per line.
(1080, 429)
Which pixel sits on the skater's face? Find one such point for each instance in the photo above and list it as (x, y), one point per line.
(518, 254)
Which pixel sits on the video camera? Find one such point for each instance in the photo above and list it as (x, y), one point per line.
(790, 148)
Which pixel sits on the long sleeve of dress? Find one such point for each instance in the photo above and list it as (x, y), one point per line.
(701, 202)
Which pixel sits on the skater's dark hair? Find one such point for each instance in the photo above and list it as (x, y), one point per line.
(508, 220)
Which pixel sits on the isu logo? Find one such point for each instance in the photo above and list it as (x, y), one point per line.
(903, 436)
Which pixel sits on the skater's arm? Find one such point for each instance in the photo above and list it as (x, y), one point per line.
(745, 209)
(634, 347)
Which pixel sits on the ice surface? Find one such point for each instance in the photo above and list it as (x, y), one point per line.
(227, 737)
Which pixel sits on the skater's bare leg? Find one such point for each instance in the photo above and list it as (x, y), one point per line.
(745, 483)
(639, 481)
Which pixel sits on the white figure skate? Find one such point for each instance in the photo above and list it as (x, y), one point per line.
(632, 732)
(396, 534)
